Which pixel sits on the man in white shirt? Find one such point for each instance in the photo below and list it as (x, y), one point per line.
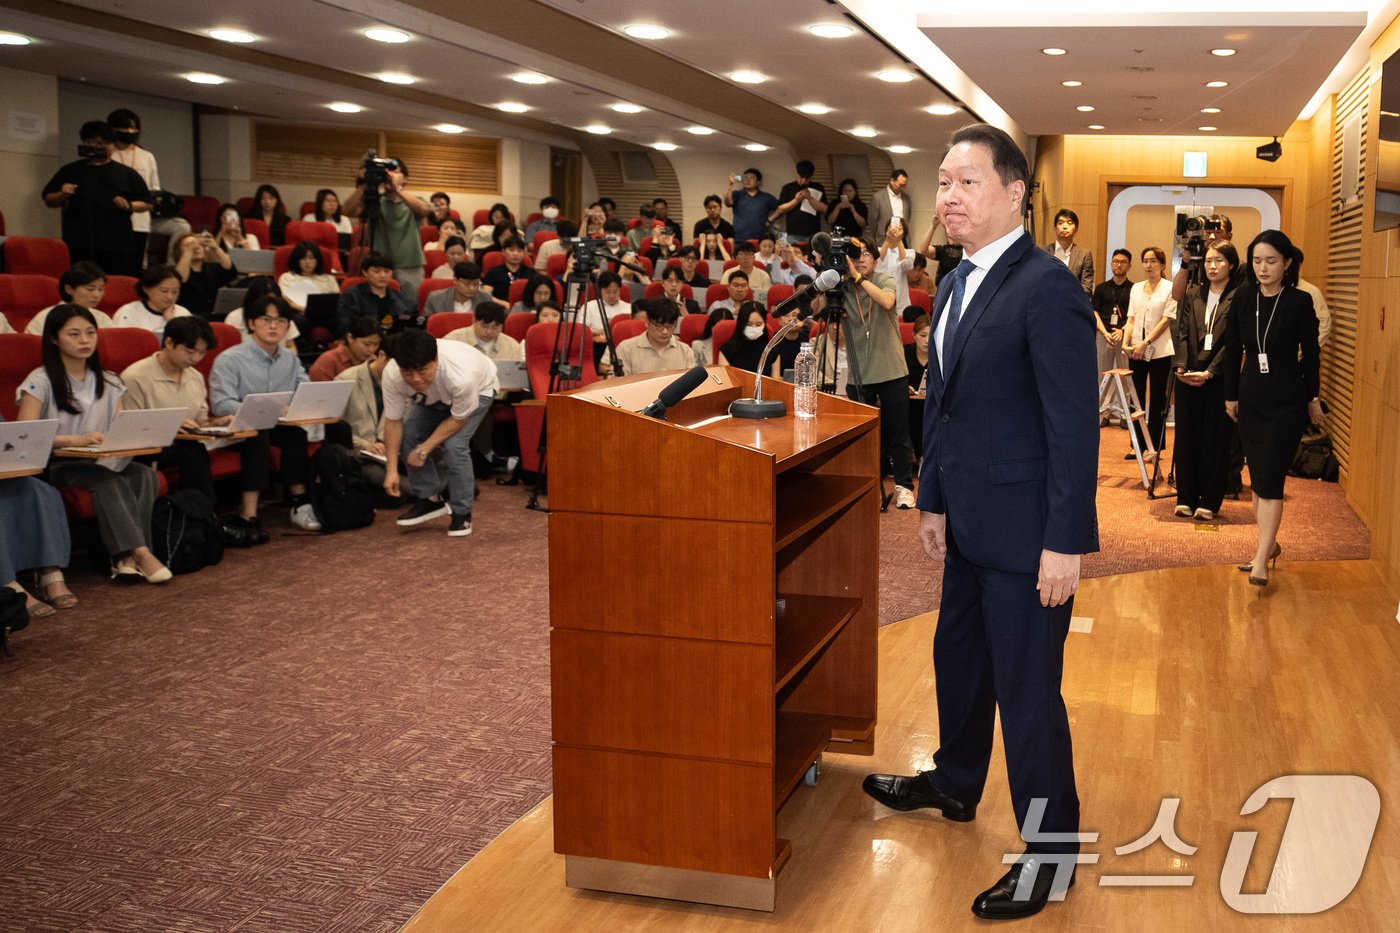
(759, 280)
(436, 393)
(896, 261)
(888, 203)
(126, 134)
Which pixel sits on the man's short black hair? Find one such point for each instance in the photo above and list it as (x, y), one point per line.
(757, 175)
(124, 119)
(673, 272)
(1068, 214)
(663, 312)
(687, 251)
(899, 171)
(713, 199)
(566, 229)
(920, 261)
(512, 242)
(614, 225)
(466, 270)
(656, 201)
(262, 306)
(490, 313)
(440, 194)
(606, 202)
(608, 278)
(1120, 251)
(548, 202)
(188, 332)
(1007, 157)
(739, 274)
(414, 350)
(454, 241)
(362, 326)
(805, 168)
(96, 129)
(376, 260)
(744, 246)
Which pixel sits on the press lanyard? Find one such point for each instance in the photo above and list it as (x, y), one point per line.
(1264, 356)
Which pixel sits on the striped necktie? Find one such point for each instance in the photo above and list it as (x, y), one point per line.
(954, 312)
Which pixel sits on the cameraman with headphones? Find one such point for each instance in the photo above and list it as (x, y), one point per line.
(395, 231)
(875, 354)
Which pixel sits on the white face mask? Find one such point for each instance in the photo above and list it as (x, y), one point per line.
(754, 331)
(550, 213)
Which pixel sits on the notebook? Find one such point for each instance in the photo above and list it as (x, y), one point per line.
(142, 428)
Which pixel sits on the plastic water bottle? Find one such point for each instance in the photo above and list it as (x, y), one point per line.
(805, 372)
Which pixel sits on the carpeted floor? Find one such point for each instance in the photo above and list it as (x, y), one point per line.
(316, 734)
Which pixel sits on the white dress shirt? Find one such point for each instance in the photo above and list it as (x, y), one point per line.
(983, 259)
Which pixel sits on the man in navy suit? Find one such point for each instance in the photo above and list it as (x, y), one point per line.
(1007, 505)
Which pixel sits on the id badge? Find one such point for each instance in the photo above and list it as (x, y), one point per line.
(1210, 341)
(1264, 364)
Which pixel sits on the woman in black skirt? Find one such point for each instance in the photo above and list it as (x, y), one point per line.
(1272, 332)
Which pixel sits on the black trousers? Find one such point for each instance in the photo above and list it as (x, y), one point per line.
(893, 398)
(1155, 371)
(1201, 456)
(256, 454)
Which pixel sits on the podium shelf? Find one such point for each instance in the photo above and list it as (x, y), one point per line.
(806, 499)
(804, 628)
(800, 740)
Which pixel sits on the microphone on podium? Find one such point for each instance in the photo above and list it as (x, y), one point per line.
(758, 406)
(676, 390)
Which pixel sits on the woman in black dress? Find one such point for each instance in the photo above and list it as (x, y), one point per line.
(1272, 331)
(745, 347)
(1201, 457)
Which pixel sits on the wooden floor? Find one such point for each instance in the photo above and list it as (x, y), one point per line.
(1189, 684)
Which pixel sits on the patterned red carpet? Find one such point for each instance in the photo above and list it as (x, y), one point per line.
(317, 734)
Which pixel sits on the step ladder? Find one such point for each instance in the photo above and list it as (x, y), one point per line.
(1118, 383)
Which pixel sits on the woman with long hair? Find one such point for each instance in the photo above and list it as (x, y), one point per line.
(72, 387)
(744, 348)
(1147, 339)
(268, 207)
(847, 210)
(1201, 457)
(1271, 380)
(231, 234)
(704, 344)
(327, 211)
(306, 275)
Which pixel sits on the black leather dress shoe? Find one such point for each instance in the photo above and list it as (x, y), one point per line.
(915, 793)
(999, 901)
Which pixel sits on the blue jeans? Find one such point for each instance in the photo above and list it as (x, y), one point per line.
(455, 454)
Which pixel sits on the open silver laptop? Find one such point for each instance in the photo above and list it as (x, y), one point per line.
(26, 445)
(512, 374)
(257, 412)
(139, 429)
(319, 400)
(252, 261)
(228, 299)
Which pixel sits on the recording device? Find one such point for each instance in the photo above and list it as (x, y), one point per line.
(377, 170)
(91, 151)
(1191, 236)
(834, 247)
(758, 406)
(585, 253)
(677, 390)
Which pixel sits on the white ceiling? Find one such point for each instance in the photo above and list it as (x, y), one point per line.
(311, 52)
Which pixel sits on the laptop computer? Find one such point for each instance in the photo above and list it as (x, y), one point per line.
(252, 261)
(319, 400)
(138, 429)
(512, 374)
(257, 412)
(637, 291)
(26, 445)
(227, 300)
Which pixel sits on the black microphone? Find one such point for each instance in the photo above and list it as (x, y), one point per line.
(821, 242)
(675, 392)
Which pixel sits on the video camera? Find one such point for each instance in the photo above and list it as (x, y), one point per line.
(1191, 233)
(377, 170)
(585, 251)
(841, 247)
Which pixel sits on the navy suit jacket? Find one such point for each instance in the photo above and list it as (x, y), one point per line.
(1011, 432)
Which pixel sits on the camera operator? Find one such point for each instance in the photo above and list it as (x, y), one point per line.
(875, 350)
(1218, 227)
(98, 198)
(395, 231)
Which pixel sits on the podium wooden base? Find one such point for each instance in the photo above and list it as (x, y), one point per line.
(675, 884)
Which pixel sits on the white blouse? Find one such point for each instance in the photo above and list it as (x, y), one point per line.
(1144, 311)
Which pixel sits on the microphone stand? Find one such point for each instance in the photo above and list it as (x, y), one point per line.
(758, 406)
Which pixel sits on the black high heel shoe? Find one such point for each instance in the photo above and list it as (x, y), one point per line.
(1273, 556)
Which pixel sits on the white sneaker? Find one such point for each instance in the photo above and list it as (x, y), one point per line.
(903, 498)
(304, 517)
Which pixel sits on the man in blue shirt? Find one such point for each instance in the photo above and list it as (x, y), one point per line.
(752, 205)
(264, 365)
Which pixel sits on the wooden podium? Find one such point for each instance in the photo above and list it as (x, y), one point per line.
(713, 595)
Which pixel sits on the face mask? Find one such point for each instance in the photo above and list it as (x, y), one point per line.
(550, 213)
(753, 332)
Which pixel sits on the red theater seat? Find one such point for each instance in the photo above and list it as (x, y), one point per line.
(719, 337)
(122, 346)
(121, 289)
(23, 296)
(519, 324)
(35, 255)
(917, 296)
(444, 323)
(19, 356)
(692, 326)
(427, 287)
(320, 232)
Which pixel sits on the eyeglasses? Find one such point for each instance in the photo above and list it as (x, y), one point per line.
(661, 326)
(269, 319)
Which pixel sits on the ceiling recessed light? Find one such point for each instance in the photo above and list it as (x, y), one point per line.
(699, 131)
(396, 77)
(941, 110)
(1095, 126)
(1217, 84)
(746, 76)
(1223, 53)
(13, 38)
(597, 129)
(895, 76)
(901, 150)
(529, 77)
(831, 30)
(815, 110)
(385, 34)
(1210, 110)
(865, 132)
(511, 106)
(451, 129)
(665, 147)
(1206, 129)
(236, 36)
(1071, 83)
(1084, 108)
(755, 147)
(644, 31)
(203, 77)
(1052, 51)
(342, 106)
(627, 108)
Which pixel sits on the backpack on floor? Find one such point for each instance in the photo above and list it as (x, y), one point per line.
(185, 533)
(1315, 458)
(340, 494)
(13, 616)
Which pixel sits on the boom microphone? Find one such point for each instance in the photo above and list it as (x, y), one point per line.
(821, 242)
(677, 390)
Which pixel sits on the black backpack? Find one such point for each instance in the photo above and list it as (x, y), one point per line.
(13, 616)
(1315, 458)
(341, 495)
(185, 532)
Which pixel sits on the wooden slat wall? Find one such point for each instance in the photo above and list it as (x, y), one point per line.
(1342, 286)
(607, 173)
(320, 156)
